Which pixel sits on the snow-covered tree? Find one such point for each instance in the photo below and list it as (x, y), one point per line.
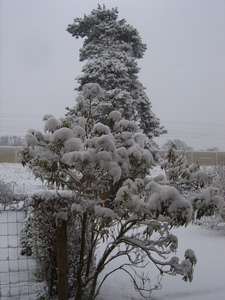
(176, 166)
(216, 149)
(192, 182)
(6, 194)
(217, 173)
(114, 202)
(111, 48)
(179, 145)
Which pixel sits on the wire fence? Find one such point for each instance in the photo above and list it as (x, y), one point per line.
(203, 158)
(17, 272)
(10, 154)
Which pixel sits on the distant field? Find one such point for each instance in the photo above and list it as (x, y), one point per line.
(11, 155)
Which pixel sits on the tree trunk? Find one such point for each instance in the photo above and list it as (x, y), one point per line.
(79, 292)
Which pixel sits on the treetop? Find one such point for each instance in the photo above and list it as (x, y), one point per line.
(103, 24)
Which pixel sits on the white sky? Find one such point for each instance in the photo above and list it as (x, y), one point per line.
(183, 68)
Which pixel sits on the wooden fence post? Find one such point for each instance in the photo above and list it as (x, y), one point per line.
(62, 259)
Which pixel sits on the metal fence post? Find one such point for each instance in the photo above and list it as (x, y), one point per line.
(192, 160)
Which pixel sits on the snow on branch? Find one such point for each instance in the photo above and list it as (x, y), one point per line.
(92, 90)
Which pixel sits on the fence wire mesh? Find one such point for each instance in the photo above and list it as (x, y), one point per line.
(17, 272)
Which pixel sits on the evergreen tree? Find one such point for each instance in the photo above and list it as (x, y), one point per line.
(111, 48)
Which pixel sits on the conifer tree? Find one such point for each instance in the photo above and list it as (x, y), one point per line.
(111, 48)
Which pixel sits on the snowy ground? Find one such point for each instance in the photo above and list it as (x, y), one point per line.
(209, 247)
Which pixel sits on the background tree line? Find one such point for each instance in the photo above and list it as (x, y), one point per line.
(11, 140)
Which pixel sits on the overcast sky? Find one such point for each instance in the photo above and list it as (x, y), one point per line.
(183, 69)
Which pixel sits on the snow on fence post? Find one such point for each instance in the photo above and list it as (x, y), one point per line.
(62, 259)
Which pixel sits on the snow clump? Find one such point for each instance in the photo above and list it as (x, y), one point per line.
(201, 178)
(167, 201)
(47, 116)
(115, 115)
(101, 129)
(92, 90)
(73, 144)
(51, 125)
(62, 134)
(126, 125)
(79, 131)
(104, 212)
(30, 140)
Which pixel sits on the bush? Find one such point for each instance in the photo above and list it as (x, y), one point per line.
(6, 194)
(217, 173)
(114, 202)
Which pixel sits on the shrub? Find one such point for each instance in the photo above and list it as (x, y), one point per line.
(6, 194)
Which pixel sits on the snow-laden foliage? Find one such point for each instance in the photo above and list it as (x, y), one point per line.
(207, 202)
(204, 194)
(8, 199)
(217, 173)
(6, 194)
(178, 172)
(180, 145)
(115, 203)
(111, 48)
